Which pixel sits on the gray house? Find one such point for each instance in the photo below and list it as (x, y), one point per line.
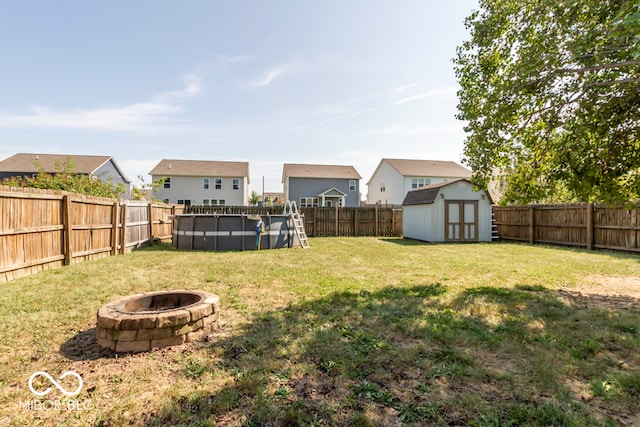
(321, 185)
(98, 167)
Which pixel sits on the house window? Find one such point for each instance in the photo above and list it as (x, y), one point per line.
(236, 184)
(308, 202)
(218, 183)
(205, 202)
(205, 183)
(420, 182)
(222, 202)
(383, 187)
(167, 183)
(352, 185)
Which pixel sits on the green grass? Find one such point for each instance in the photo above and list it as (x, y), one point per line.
(352, 332)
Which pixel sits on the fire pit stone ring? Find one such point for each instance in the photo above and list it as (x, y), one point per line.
(156, 319)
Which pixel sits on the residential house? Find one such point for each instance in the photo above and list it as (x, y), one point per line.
(202, 182)
(394, 178)
(321, 185)
(449, 211)
(271, 199)
(98, 167)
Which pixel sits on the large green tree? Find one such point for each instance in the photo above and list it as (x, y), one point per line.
(550, 93)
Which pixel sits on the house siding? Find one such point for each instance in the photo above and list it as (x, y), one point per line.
(109, 171)
(192, 188)
(311, 187)
(408, 182)
(398, 174)
(393, 183)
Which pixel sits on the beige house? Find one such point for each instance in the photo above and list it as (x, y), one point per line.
(394, 178)
(202, 182)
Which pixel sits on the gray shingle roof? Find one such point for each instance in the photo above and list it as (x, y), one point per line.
(440, 168)
(427, 194)
(82, 164)
(209, 168)
(27, 162)
(295, 170)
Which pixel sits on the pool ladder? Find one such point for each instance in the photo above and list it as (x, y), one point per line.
(292, 209)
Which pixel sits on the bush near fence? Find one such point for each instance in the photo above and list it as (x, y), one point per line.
(43, 229)
(588, 225)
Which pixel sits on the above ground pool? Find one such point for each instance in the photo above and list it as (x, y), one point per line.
(233, 232)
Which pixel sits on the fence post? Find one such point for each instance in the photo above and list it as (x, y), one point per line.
(355, 222)
(337, 222)
(377, 224)
(590, 226)
(393, 222)
(532, 225)
(150, 217)
(123, 230)
(67, 229)
(114, 230)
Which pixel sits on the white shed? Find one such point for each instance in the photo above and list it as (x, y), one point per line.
(447, 212)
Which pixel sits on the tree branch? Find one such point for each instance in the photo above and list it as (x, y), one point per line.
(611, 83)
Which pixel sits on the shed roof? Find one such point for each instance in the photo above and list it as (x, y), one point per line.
(427, 194)
(296, 170)
(82, 164)
(208, 168)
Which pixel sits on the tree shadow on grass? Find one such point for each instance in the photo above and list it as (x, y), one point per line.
(415, 356)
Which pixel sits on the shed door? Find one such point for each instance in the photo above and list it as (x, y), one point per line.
(461, 220)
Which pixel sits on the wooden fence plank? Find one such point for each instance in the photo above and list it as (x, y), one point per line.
(590, 226)
(66, 215)
(42, 229)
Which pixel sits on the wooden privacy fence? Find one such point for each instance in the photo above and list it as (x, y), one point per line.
(324, 222)
(591, 226)
(41, 229)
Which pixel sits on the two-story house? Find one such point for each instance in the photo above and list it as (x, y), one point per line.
(97, 167)
(321, 185)
(202, 182)
(394, 178)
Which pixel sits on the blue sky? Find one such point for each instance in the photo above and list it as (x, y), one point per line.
(344, 82)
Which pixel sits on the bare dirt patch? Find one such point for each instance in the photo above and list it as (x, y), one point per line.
(619, 292)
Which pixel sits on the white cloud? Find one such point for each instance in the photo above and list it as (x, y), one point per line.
(267, 77)
(224, 61)
(394, 91)
(411, 129)
(333, 119)
(140, 116)
(424, 95)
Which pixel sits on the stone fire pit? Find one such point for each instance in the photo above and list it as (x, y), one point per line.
(157, 319)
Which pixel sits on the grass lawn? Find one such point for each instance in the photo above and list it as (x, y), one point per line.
(351, 332)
